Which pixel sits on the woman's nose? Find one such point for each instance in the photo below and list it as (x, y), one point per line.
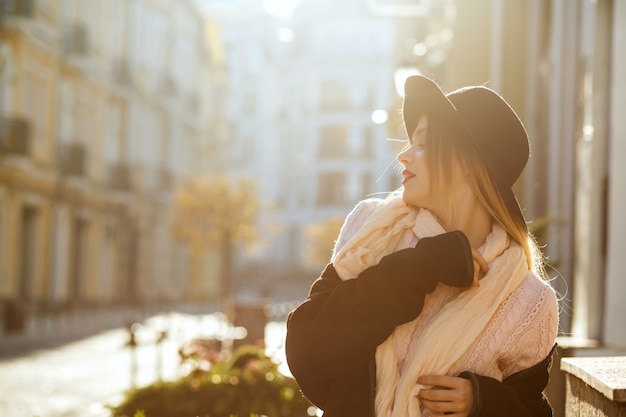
(403, 156)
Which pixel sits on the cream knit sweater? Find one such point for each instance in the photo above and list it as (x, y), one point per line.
(520, 334)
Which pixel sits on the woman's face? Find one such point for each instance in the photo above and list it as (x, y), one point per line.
(417, 174)
(415, 177)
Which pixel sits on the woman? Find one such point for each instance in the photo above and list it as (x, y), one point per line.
(433, 302)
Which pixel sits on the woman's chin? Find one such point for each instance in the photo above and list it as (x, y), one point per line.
(406, 196)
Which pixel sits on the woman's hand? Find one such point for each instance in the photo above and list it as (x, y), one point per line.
(450, 395)
(480, 266)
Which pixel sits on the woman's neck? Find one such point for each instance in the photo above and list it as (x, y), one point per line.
(471, 218)
(475, 223)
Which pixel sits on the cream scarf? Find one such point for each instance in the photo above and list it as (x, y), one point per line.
(453, 329)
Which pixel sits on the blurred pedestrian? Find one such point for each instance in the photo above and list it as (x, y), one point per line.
(435, 301)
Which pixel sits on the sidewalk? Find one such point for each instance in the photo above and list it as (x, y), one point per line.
(80, 378)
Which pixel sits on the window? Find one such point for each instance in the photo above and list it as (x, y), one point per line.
(109, 283)
(184, 72)
(248, 104)
(293, 243)
(367, 143)
(79, 260)
(331, 188)
(112, 132)
(66, 103)
(366, 184)
(35, 100)
(28, 252)
(86, 110)
(369, 101)
(334, 97)
(333, 142)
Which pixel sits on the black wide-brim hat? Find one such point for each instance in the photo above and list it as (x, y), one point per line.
(481, 116)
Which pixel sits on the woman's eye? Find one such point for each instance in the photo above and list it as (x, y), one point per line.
(418, 148)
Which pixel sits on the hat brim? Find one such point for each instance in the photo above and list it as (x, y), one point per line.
(422, 95)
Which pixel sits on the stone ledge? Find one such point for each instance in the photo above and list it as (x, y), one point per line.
(607, 375)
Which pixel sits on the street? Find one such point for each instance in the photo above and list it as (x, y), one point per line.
(81, 378)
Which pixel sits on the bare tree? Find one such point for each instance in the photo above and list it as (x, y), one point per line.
(216, 213)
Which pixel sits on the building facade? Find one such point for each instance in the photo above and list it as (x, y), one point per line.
(105, 105)
(302, 90)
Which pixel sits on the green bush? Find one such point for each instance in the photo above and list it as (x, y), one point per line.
(247, 384)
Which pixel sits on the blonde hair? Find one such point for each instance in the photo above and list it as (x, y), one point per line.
(443, 148)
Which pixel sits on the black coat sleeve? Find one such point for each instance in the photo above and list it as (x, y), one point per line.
(335, 332)
(338, 327)
(332, 337)
(519, 395)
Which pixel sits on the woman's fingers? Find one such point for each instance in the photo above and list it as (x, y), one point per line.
(482, 263)
(448, 395)
(441, 381)
(428, 413)
(476, 275)
(442, 407)
(480, 266)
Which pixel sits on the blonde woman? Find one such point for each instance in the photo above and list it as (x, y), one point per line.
(434, 301)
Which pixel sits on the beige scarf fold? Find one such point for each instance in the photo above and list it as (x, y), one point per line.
(453, 329)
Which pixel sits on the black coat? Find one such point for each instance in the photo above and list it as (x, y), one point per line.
(332, 339)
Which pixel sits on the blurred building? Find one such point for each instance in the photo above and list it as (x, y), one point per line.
(104, 106)
(303, 88)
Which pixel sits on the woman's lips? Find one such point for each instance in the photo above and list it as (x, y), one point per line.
(406, 176)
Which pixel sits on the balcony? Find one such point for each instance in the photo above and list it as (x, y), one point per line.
(14, 136)
(17, 8)
(71, 159)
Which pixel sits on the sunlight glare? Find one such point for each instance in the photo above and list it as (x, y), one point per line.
(379, 116)
(279, 8)
(285, 34)
(402, 73)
